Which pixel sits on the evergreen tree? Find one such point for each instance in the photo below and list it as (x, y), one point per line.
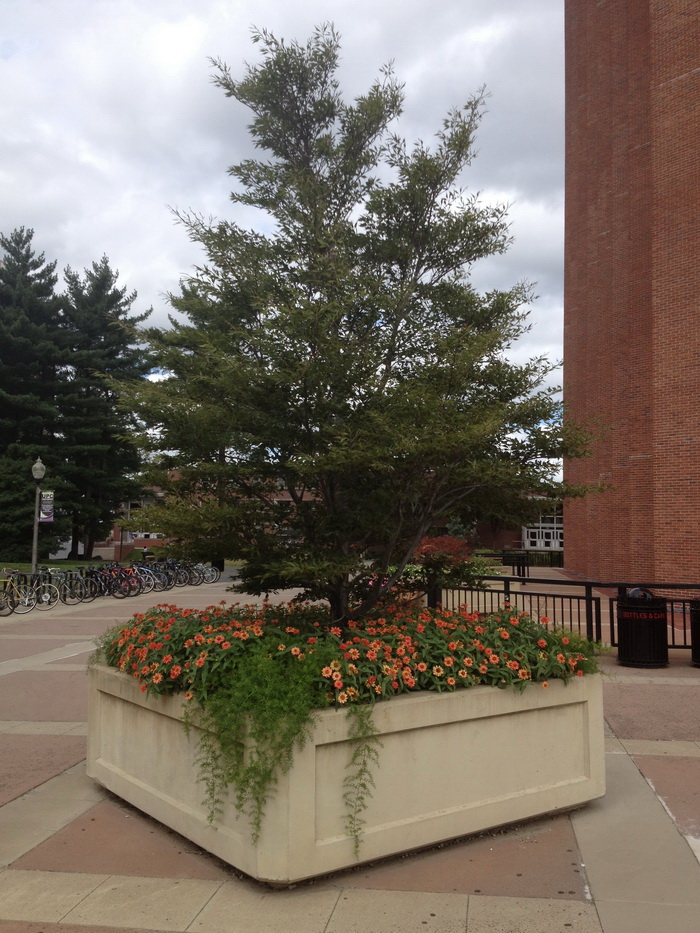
(57, 353)
(100, 459)
(32, 351)
(340, 387)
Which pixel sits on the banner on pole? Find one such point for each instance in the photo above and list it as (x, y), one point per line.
(46, 506)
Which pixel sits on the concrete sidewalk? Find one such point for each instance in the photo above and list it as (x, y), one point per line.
(73, 857)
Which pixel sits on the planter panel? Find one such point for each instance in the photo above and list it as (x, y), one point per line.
(450, 765)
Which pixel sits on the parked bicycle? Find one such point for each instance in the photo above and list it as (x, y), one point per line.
(17, 593)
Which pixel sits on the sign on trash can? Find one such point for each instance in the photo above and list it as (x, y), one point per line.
(642, 630)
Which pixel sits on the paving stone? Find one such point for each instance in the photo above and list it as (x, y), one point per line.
(530, 915)
(399, 912)
(676, 781)
(151, 903)
(26, 761)
(653, 711)
(31, 895)
(115, 839)
(243, 907)
(44, 695)
(532, 860)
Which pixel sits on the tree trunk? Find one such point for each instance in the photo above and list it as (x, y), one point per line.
(338, 599)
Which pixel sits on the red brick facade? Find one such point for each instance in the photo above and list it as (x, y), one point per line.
(632, 289)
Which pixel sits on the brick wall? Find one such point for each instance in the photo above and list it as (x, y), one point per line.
(631, 330)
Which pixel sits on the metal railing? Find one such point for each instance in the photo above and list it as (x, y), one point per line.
(577, 611)
(520, 560)
(586, 607)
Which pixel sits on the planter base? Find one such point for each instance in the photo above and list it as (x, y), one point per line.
(450, 765)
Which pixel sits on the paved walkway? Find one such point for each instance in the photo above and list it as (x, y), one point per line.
(73, 857)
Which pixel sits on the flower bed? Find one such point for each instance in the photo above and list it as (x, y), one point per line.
(438, 762)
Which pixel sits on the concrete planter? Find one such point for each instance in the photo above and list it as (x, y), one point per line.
(450, 765)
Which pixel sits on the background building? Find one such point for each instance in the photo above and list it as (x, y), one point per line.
(632, 334)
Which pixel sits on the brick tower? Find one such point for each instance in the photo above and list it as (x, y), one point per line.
(632, 286)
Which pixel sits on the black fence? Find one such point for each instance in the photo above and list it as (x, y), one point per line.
(520, 560)
(575, 607)
(587, 607)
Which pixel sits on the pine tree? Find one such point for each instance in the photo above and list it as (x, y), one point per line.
(31, 357)
(339, 386)
(101, 461)
(57, 353)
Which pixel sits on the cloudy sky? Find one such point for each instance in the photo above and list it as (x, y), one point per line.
(109, 120)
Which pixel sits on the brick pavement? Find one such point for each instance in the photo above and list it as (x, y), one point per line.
(73, 857)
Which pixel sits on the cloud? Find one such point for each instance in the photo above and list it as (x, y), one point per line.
(110, 118)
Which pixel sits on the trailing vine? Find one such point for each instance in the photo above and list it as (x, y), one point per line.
(250, 731)
(359, 780)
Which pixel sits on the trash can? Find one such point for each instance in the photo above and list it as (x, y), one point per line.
(642, 630)
(695, 632)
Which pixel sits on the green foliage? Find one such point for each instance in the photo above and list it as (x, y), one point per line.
(100, 460)
(268, 705)
(358, 783)
(55, 353)
(32, 352)
(335, 387)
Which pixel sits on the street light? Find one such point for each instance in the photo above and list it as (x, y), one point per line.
(38, 472)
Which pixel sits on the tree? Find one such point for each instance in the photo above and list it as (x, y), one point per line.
(340, 387)
(100, 460)
(30, 364)
(56, 353)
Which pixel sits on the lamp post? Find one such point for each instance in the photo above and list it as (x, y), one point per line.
(38, 472)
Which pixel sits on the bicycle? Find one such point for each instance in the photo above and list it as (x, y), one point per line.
(7, 599)
(47, 593)
(22, 595)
